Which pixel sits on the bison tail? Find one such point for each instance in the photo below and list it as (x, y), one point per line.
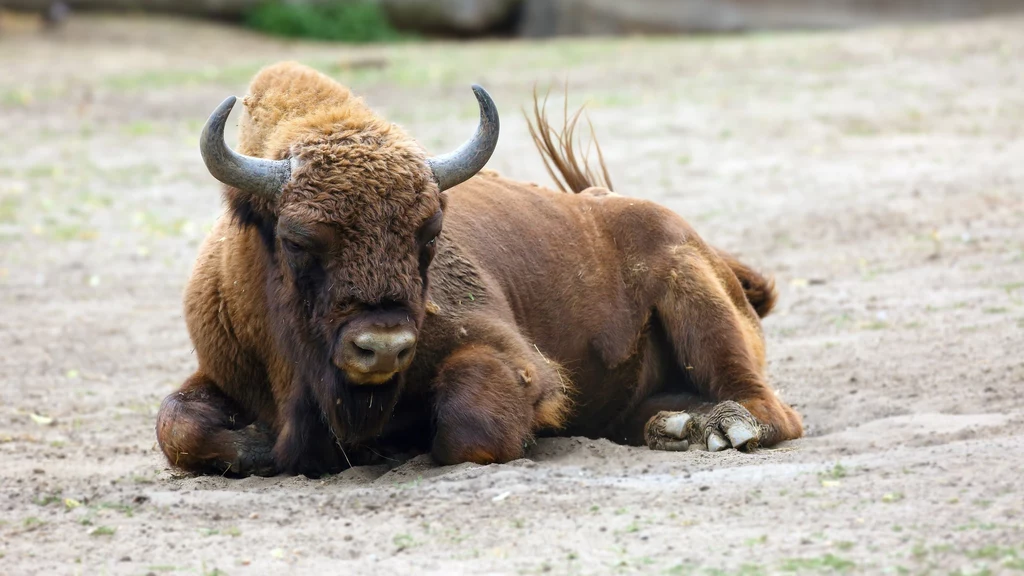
(558, 148)
(758, 288)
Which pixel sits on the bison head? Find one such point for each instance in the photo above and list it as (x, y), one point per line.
(349, 210)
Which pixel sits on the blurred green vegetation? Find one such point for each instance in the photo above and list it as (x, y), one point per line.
(340, 20)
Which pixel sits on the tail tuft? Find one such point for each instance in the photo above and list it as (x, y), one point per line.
(558, 149)
(758, 288)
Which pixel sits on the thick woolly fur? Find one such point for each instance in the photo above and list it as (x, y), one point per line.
(535, 311)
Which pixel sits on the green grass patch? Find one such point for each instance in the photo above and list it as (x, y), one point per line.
(403, 541)
(828, 562)
(102, 531)
(836, 472)
(138, 128)
(1013, 287)
(70, 232)
(43, 171)
(874, 325)
(155, 225)
(31, 523)
(341, 21)
(16, 97)
(992, 552)
(164, 78)
(9, 209)
(125, 509)
(47, 499)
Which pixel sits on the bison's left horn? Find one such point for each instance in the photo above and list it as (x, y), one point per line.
(255, 175)
(458, 166)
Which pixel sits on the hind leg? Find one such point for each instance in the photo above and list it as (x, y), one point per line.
(202, 430)
(717, 340)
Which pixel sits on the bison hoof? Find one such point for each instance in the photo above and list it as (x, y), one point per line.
(727, 425)
(715, 442)
(731, 425)
(254, 447)
(741, 434)
(669, 431)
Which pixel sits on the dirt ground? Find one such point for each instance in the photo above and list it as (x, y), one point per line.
(879, 174)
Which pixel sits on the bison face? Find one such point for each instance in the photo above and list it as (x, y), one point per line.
(355, 243)
(350, 213)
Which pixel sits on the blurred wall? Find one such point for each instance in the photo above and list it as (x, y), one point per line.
(538, 18)
(559, 17)
(211, 8)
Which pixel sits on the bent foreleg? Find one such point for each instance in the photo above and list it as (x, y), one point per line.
(202, 430)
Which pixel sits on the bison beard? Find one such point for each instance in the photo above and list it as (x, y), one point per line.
(324, 411)
(322, 417)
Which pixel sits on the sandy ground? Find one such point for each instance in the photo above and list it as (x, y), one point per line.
(878, 174)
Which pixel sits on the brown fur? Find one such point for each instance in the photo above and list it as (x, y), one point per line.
(574, 174)
(544, 312)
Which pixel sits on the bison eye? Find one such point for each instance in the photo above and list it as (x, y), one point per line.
(430, 229)
(291, 245)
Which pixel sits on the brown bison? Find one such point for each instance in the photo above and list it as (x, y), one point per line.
(360, 296)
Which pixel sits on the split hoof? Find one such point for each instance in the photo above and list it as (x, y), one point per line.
(715, 442)
(727, 425)
(670, 431)
(730, 425)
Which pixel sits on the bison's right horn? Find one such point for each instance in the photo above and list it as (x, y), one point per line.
(255, 175)
(458, 166)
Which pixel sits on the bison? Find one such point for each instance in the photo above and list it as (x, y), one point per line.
(360, 298)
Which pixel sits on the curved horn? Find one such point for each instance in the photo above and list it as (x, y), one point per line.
(458, 166)
(256, 175)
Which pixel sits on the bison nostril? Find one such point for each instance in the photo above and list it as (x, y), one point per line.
(364, 353)
(405, 354)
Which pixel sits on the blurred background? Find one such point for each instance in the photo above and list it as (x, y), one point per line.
(385, 20)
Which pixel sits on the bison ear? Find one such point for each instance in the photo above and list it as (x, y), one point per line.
(456, 167)
(254, 175)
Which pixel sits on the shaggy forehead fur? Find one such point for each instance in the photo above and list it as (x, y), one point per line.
(351, 165)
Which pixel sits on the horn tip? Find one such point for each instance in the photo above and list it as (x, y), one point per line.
(215, 124)
(229, 102)
(488, 110)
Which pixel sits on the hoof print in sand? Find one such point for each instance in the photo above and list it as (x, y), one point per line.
(727, 425)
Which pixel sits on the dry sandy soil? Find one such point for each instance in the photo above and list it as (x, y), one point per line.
(879, 174)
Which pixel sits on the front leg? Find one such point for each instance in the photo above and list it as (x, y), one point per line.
(489, 403)
(200, 429)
